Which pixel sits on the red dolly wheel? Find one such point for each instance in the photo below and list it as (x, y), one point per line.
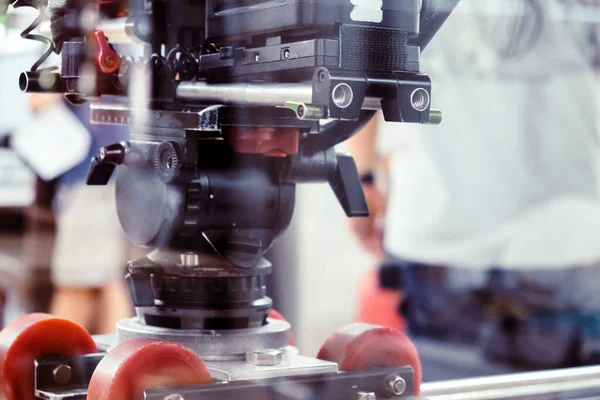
(363, 346)
(274, 314)
(31, 337)
(140, 364)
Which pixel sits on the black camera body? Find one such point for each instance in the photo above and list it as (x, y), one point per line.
(284, 39)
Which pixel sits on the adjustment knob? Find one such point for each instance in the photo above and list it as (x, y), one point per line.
(168, 161)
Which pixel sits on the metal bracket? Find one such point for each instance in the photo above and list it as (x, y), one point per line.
(340, 386)
(117, 113)
(64, 378)
(67, 378)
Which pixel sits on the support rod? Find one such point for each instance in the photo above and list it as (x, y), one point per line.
(564, 383)
(254, 94)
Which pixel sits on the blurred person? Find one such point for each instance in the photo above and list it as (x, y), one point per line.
(90, 250)
(88, 263)
(28, 282)
(492, 218)
(379, 291)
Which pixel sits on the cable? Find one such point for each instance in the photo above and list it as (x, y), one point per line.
(26, 34)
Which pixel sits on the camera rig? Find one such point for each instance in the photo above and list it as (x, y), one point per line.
(233, 103)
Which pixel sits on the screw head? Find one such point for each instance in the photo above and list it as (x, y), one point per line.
(286, 53)
(257, 57)
(301, 111)
(267, 357)
(322, 76)
(62, 374)
(110, 60)
(394, 385)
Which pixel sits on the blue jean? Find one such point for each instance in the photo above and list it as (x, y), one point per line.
(536, 319)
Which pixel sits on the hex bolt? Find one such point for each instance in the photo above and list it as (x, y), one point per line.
(366, 396)
(62, 374)
(267, 357)
(394, 385)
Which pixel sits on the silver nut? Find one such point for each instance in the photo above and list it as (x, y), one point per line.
(419, 99)
(365, 396)
(62, 374)
(342, 95)
(267, 357)
(394, 385)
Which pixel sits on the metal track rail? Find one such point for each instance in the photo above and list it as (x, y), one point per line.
(572, 383)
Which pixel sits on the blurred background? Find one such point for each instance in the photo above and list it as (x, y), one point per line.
(323, 277)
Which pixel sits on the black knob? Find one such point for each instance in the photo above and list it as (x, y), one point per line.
(168, 161)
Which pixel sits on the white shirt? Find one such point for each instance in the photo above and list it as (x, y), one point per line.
(510, 178)
(17, 182)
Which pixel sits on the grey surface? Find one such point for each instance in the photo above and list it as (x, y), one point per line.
(212, 345)
(292, 364)
(444, 361)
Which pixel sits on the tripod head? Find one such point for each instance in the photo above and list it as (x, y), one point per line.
(233, 103)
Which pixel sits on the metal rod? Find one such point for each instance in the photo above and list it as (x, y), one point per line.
(117, 30)
(255, 94)
(260, 94)
(517, 386)
(41, 82)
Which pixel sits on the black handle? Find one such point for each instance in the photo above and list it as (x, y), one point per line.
(348, 188)
(100, 172)
(103, 166)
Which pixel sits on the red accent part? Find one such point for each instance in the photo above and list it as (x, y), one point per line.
(107, 59)
(114, 8)
(274, 314)
(379, 306)
(363, 346)
(34, 336)
(140, 364)
(273, 142)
